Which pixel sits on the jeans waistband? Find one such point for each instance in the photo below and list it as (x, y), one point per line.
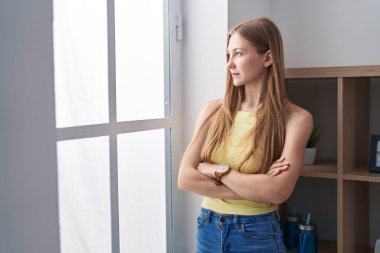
(234, 218)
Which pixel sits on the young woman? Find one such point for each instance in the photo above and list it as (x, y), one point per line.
(247, 150)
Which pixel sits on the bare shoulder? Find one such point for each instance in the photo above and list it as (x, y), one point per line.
(297, 116)
(208, 109)
(212, 104)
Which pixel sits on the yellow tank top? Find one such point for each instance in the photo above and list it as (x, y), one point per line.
(232, 151)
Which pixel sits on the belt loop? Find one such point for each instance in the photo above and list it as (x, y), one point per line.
(208, 217)
(236, 217)
(278, 215)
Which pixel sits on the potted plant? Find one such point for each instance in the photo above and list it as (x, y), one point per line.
(311, 150)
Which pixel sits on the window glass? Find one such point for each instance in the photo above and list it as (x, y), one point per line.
(80, 62)
(84, 195)
(142, 202)
(139, 36)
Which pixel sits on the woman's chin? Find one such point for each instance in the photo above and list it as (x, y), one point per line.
(237, 84)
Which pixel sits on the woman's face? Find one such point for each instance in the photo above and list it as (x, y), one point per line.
(245, 63)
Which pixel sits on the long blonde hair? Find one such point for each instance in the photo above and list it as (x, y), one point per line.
(268, 135)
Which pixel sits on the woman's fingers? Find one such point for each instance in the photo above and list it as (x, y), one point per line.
(280, 162)
(278, 168)
(281, 159)
(279, 165)
(275, 172)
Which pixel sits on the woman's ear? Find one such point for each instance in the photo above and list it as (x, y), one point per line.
(268, 59)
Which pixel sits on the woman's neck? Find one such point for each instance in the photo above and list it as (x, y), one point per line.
(252, 97)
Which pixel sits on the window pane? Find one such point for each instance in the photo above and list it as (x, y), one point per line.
(80, 62)
(142, 202)
(139, 35)
(84, 195)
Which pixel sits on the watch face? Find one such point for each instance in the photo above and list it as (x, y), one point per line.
(222, 168)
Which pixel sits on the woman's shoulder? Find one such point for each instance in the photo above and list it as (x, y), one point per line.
(297, 115)
(213, 103)
(208, 109)
(211, 106)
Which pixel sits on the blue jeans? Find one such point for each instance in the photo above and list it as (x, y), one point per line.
(229, 233)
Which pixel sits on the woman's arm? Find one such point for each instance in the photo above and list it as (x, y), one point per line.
(266, 188)
(189, 178)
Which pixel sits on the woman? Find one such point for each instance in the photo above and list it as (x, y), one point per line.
(247, 150)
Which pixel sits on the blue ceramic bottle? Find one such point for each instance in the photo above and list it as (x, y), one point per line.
(308, 239)
(292, 233)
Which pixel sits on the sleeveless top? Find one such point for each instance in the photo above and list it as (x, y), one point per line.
(233, 151)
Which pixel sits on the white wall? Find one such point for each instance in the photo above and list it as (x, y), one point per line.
(319, 33)
(204, 47)
(28, 169)
(329, 33)
(241, 10)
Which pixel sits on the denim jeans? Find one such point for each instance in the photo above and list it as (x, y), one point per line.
(229, 233)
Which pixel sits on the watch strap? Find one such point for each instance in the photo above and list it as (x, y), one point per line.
(219, 175)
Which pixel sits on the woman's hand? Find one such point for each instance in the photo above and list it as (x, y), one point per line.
(207, 169)
(278, 166)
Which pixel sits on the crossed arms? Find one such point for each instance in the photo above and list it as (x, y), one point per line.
(274, 187)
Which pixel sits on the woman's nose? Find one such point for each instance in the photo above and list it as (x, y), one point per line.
(230, 63)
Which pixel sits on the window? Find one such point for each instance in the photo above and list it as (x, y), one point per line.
(114, 124)
(142, 211)
(140, 57)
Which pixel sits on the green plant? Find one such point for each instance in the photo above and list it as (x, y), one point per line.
(314, 138)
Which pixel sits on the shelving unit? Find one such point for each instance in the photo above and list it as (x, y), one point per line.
(321, 169)
(340, 100)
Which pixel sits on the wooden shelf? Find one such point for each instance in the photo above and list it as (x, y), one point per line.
(323, 247)
(332, 72)
(327, 247)
(361, 174)
(322, 169)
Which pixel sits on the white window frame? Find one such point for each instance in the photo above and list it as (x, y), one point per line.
(171, 124)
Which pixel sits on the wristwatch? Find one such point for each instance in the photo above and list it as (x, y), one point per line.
(222, 169)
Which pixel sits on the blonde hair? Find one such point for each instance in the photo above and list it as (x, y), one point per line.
(268, 135)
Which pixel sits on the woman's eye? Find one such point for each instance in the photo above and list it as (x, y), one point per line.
(238, 54)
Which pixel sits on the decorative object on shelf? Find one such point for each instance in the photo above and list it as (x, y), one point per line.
(374, 157)
(311, 150)
(308, 237)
